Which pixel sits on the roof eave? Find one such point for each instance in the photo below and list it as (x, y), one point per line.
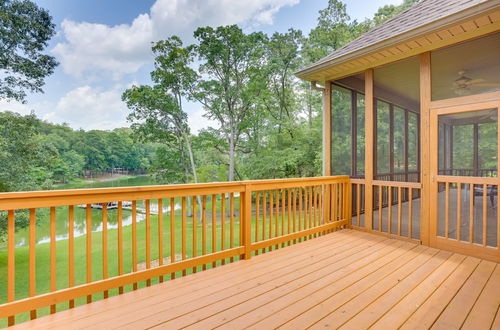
(471, 12)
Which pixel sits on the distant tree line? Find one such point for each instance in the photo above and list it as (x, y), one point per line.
(35, 154)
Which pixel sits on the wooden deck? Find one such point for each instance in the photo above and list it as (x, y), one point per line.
(347, 279)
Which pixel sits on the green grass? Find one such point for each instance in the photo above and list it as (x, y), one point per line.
(80, 259)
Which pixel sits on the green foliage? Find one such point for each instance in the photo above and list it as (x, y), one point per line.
(25, 30)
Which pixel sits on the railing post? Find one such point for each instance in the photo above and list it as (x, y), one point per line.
(247, 221)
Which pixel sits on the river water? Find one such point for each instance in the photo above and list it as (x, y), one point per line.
(43, 214)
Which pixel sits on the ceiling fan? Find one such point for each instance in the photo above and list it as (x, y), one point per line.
(462, 85)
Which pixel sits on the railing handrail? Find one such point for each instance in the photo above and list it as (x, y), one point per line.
(49, 198)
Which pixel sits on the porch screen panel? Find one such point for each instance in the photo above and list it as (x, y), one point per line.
(413, 150)
(348, 132)
(399, 141)
(341, 130)
(468, 144)
(383, 141)
(360, 127)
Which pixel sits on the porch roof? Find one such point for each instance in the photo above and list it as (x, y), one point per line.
(409, 30)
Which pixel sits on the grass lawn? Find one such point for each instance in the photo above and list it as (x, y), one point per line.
(80, 259)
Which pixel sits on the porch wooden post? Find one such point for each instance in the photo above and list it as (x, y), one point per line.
(327, 129)
(327, 150)
(369, 145)
(425, 179)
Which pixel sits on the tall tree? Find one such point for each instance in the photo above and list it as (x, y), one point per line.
(231, 80)
(174, 74)
(156, 117)
(25, 30)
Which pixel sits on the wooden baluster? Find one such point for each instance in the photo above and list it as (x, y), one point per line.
(310, 209)
(172, 234)
(358, 205)
(257, 216)
(32, 258)
(148, 238)
(335, 201)
(289, 212)
(231, 222)
(459, 210)
(294, 210)
(120, 243)
(242, 210)
(134, 240)
(105, 244)
(380, 205)
(485, 213)
(447, 210)
(223, 225)
(71, 249)
(301, 225)
(410, 212)
(389, 205)
(282, 214)
(11, 263)
(314, 211)
(53, 283)
(214, 227)
(195, 229)
(88, 215)
(160, 235)
(183, 232)
(271, 211)
(264, 217)
(471, 213)
(399, 211)
(204, 227)
(277, 217)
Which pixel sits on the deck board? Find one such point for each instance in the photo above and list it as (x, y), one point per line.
(346, 279)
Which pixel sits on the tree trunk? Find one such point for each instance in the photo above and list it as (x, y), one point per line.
(232, 148)
(193, 169)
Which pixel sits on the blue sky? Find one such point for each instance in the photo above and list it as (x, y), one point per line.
(103, 47)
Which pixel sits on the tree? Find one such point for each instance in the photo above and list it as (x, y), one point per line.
(25, 30)
(174, 74)
(231, 80)
(156, 117)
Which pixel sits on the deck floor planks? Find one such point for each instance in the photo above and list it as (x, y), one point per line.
(430, 310)
(457, 310)
(346, 278)
(302, 286)
(397, 315)
(210, 279)
(192, 313)
(408, 292)
(483, 313)
(420, 266)
(328, 300)
(278, 311)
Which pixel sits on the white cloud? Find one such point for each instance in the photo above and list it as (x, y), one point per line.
(121, 49)
(90, 108)
(15, 106)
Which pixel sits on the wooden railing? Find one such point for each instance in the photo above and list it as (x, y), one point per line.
(393, 207)
(467, 217)
(104, 242)
(480, 172)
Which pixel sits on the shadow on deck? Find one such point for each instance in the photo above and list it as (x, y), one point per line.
(346, 279)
